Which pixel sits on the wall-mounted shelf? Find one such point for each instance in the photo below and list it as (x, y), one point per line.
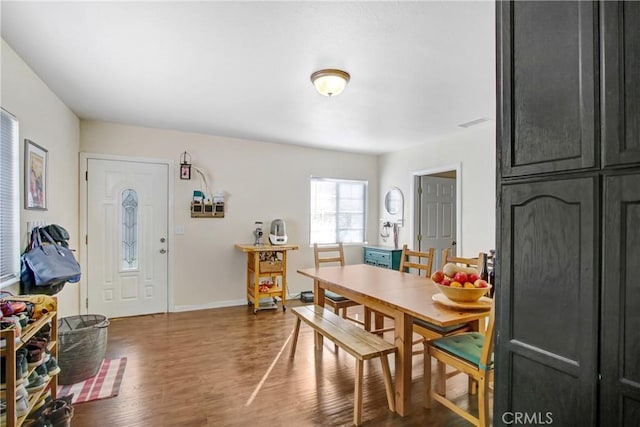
(207, 210)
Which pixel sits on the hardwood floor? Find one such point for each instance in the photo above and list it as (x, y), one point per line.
(220, 367)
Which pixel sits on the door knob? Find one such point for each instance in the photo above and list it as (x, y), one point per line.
(163, 251)
(453, 243)
(162, 240)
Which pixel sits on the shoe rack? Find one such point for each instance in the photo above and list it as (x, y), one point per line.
(9, 352)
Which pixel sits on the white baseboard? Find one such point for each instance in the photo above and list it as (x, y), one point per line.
(217, 304)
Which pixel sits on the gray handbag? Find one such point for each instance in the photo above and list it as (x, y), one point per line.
(51, 263)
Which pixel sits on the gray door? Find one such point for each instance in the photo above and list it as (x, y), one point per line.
(436, 215)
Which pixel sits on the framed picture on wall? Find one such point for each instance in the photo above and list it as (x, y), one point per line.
(35, 176)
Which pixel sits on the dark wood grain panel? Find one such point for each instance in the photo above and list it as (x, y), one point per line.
(548, 286)
(630, 412)
(621, 86)
(620, 332)
(558, 408)
(548, 76)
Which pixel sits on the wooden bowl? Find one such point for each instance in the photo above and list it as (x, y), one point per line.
(462, 294)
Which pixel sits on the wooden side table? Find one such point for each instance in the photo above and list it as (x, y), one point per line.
(266, 261)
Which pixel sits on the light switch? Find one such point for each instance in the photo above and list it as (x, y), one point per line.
(180, 229)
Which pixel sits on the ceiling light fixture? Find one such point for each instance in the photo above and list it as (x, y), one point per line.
(330, 82)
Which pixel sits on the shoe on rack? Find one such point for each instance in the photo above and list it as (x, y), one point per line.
(40, 342)
(52, 366)
(3, 412)
(21, 360)
(42, 370)
(36, 382)
(21, 391)
(22, 406)
(36, 357)
(45, 332)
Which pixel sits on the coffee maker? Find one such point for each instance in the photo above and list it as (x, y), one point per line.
(278, 233)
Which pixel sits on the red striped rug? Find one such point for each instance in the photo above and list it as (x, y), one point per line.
(105, 384)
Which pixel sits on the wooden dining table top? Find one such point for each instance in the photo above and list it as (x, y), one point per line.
(399, 291)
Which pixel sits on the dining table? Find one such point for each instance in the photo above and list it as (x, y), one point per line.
(399, 295)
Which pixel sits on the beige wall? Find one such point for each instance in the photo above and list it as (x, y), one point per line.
(474, 149)
(263, 181)
(44, 119)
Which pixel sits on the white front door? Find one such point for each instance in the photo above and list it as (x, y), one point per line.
(437, 218)
(127, 226)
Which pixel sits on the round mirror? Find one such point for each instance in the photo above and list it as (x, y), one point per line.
(393, 201)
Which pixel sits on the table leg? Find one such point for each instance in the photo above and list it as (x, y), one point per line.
(403, 340)
(284, 280)
(318, 299)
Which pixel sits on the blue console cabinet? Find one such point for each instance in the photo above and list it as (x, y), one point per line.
(382, 256)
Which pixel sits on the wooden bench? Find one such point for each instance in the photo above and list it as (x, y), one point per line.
(359, 343)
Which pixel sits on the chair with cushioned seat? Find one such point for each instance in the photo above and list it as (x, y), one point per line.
(470, 353)
(428, 331)
(334, 254)
(422, 264)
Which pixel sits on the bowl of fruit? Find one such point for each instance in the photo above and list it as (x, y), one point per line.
(460, 284)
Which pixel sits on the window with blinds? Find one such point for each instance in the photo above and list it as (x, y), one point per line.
(9, 203)
(338, 211)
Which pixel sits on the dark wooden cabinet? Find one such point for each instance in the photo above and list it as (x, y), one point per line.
(547, 317)
(620, 331)
(620, 42)
(548, 68)
(568, 224)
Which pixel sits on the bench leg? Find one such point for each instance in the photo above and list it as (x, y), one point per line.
(294, 343)
(336, 310)
(357, 398)
(388, 386)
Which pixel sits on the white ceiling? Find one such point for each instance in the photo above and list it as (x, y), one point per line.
(241, 69)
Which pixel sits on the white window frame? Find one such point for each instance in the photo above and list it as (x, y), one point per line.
(338, 183)
(9, 200)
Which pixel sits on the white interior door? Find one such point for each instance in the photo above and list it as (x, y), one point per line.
(127, 226)
(437, 216)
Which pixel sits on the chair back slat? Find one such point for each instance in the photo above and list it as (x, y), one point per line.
(326, 254)
(467, 262)
(414, 259)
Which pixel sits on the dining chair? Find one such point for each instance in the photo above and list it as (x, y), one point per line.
(470, 353)
(421, 261)
(334, 254)
(467, 262)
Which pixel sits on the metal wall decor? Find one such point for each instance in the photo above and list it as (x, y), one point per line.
(185, 166)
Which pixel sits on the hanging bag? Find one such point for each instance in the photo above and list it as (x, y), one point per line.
(50, 263)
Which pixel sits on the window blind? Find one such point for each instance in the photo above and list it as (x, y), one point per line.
(9, 203)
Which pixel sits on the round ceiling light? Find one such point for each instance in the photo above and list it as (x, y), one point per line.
(330, 82)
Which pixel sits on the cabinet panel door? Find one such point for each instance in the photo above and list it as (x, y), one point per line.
(547, 69)
(620, 334)
(547, 304)
(621, 82)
